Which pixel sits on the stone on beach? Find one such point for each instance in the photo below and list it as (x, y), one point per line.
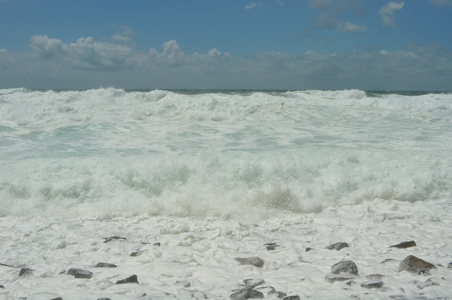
(112, 238)
(337, 246)
(79, 273)
(345, 266)
(25, 271)
(340, 277)
(372, 284)
(414, 264)
(404, 245)
(105, 265)
(255, 261)
(131, 279)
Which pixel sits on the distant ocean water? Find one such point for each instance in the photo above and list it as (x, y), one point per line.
(110, 152)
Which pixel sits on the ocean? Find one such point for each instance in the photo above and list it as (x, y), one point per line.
(86, 159)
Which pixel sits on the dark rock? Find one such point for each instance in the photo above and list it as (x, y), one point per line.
(83, 274)
(114, 237)
(73, 271)
(404, 245)
(25, 271)
(345, 266)
(103, 299)
(414, 265)
(135, 253)
(373, 284)
(57, 298)
(131, 279)
(247, 293)
(340, 277)
(337, 246)
(449, 266)
(387, 260)
(255, 261)
(296, 297)
(157, 244)
(308, 249)
(2, 286)
(105, 265)
(424, 272)
(271, 246)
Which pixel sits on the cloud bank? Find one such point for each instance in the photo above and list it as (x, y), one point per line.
(86, 63)
(387, 13)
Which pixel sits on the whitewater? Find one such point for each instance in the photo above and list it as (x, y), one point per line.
(190, 180)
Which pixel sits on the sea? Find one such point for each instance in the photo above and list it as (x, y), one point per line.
(180, 189)
(113, 152)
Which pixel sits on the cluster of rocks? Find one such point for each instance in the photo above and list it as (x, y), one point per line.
(345, 271)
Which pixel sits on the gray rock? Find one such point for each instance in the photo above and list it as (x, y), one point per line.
(296, 297)
(112, 238)
(340, 277)
(131, 279)
(372, 284)
(2, 286)
(25, 272)
(247, 293)
(57, 298)
(255, 261)
(449, 266)
(105, 265)
(404, 245)
(83, 274)
(345, 266)
(271, 246)
(79, 273)
(414, 264)
(308, 249)
(337, 246)
(103, 299)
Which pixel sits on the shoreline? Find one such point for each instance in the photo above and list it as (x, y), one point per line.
(196, 258)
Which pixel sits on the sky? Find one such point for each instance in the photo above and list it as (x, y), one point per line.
(226, 44)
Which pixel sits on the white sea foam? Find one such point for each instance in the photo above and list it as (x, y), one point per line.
(215, 175)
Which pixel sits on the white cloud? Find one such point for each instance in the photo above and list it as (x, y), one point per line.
(387, 13)
(441, 2)
(3, 50)
(85, 53)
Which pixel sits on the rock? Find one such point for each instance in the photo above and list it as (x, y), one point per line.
(404, 245)
(135, 253)
(79, 273)
(2, 286)
(83, 274)
(340, 277)
(278, 294)
(271, 246)
(345, 266)
(415, 265)
(103, 299)
(247, 293)
(337, 246)
(255, 261)
(253, 282)
(114, 237)
(57, 298)
(449, 266)
(25, 272)
(131, 279)
(372, 284)
(308, 249)
(105, 265)
(296, 297)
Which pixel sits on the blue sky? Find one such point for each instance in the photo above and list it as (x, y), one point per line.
(272, 44)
